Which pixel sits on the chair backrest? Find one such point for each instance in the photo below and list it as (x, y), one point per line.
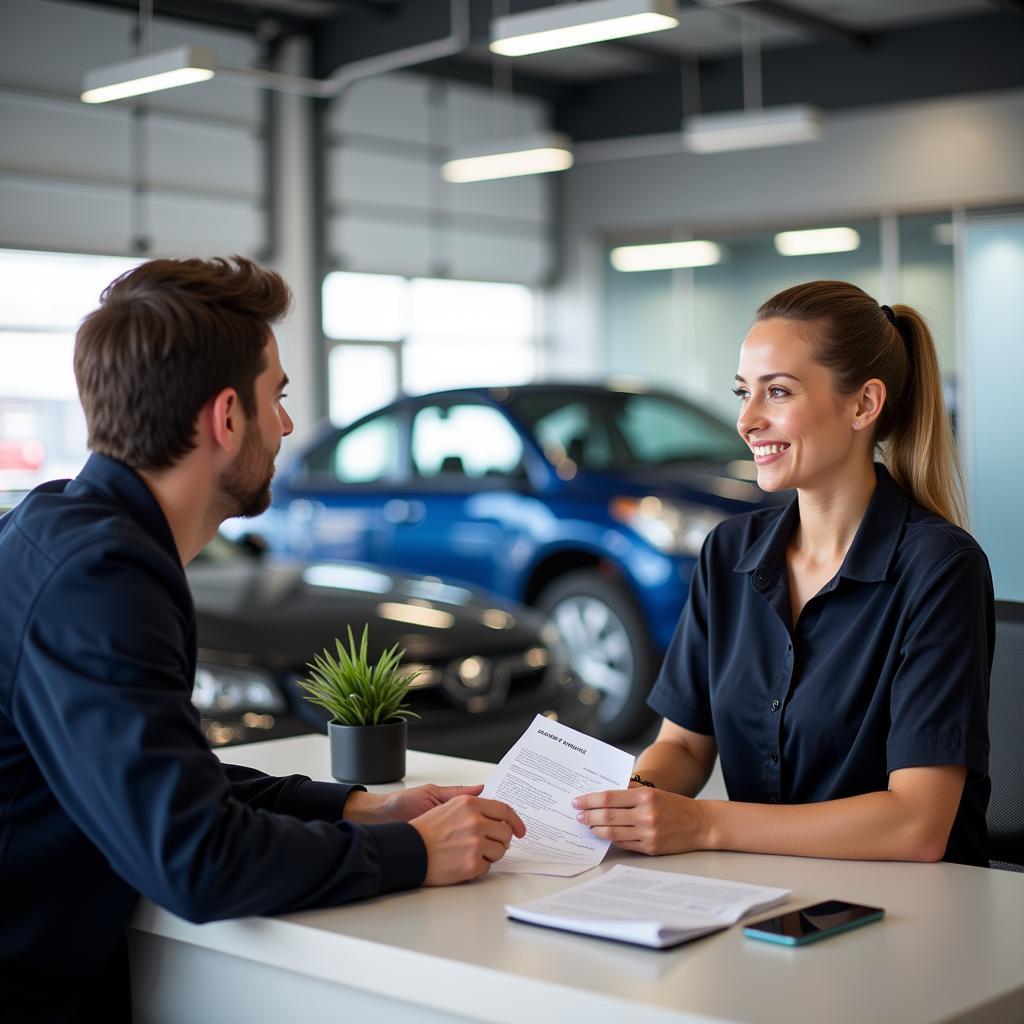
(1006, 733)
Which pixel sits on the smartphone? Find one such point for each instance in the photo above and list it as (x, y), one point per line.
(810, 924)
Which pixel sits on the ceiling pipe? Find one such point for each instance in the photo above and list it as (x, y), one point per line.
(455, 42)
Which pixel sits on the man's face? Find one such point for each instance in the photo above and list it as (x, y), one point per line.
(246, 483)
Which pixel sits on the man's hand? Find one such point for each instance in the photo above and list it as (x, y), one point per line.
(464, 836)
(650, 821)
(401, 804)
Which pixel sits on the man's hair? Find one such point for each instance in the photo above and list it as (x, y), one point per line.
(167, 337)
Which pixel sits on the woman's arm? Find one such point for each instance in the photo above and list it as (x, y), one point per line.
(909, 821)
(679, 760)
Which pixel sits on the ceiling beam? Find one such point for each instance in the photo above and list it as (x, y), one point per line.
(956, 56)
(815, 25)
(251, 18)
(1012, 6)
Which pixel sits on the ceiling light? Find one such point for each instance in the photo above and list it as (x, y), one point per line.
(751, 129)
(665, 256)
(150, 73)
(509, 158)
(588, 21)
(818, 240)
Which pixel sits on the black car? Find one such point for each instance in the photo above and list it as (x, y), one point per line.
(488, 666)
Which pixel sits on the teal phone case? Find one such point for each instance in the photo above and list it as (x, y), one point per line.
(803, 940)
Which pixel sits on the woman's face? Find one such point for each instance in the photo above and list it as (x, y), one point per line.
(798, 427)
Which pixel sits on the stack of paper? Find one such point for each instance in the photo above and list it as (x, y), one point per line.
(650, 908)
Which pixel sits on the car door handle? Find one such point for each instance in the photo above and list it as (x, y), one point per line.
(399, 511)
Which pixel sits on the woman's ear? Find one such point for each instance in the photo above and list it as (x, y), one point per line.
(869, 405)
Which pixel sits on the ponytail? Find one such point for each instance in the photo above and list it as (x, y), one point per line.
(858, 340)
(919, 450)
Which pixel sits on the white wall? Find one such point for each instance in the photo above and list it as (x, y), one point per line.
(966, 151)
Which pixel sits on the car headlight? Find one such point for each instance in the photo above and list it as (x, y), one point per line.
(235, 688)
(671, 526)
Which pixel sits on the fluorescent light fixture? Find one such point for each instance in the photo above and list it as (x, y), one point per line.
(817, 240)
(151, 73)
(665, 256)
(509, 158)
(588, 21)
(752, 129)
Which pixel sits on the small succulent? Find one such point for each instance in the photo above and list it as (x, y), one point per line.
(356, 692)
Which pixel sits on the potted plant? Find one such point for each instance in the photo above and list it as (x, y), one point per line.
(367, 728)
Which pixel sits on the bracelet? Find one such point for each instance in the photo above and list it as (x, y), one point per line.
(642, 781)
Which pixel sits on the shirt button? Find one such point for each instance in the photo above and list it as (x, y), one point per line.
(758, 578)
(776, 704)
(774, 756)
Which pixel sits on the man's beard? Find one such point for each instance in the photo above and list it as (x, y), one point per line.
(245, 486)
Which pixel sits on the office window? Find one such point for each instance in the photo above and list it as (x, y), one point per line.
(43, 299)
(441, 333)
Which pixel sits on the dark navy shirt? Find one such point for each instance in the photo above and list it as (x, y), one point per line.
(886, 668)
(108, 789)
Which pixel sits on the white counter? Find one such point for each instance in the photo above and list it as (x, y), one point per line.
(951, 947)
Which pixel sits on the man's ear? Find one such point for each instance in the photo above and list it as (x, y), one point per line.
(227, 421)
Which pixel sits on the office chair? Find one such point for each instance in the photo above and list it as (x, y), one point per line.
(1006, 734)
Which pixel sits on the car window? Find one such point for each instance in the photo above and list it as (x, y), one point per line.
(659, 431)
(573, 431)
(613, 430)
(365, 454)
(466, 440)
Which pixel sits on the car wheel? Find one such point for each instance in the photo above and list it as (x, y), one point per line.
(607, 644)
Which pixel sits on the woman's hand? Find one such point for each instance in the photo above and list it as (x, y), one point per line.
(650, 821)
(402, 804)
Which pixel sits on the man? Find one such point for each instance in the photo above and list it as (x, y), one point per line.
(108, 789)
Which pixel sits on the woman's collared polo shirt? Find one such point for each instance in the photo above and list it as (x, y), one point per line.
(887, 667)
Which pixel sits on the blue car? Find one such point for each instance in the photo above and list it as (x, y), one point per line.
(589, 502)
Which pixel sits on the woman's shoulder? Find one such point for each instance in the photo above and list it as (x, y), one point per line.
(928, 541)
(736, 535)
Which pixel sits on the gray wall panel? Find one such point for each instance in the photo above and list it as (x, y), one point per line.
(392, 212)
(76, 218)
(68, 170)
(390, 247)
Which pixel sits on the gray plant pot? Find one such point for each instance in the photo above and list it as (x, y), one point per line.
(368, 753)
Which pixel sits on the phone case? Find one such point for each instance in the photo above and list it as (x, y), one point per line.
(803, 940)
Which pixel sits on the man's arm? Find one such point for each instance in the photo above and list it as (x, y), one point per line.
(102, 701)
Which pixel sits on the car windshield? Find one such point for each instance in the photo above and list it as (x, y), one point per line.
(618, 430)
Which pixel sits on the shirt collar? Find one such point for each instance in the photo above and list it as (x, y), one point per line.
(121, 483)
(873, 547)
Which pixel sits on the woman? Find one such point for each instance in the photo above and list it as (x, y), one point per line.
(835, 652)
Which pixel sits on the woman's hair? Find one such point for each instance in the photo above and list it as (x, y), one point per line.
(855, 338)
(166, 337)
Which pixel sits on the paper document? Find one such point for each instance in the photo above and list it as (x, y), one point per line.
(650, 908)
(548, 766)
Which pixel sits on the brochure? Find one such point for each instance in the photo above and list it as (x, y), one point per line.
(649, 908)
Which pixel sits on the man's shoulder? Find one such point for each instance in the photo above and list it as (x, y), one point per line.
(59, 521)
(62, 531)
